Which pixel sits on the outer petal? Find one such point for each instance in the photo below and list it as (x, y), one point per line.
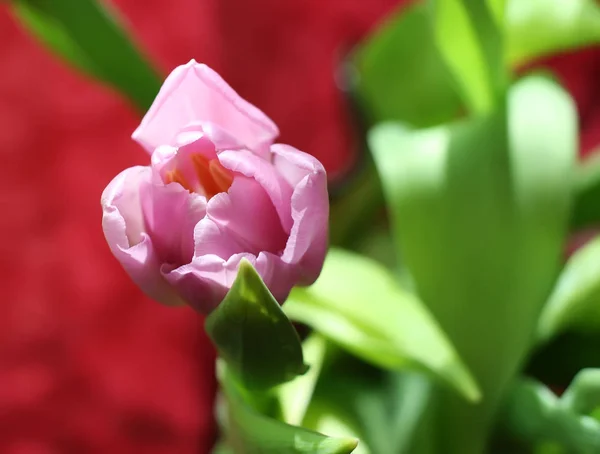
(279, 276)
(123, 226)
(307, 244)
(205, 282)
(194, 93)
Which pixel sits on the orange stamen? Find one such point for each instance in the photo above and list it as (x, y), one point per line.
(201, 165)
(221, 176)
(175, 176)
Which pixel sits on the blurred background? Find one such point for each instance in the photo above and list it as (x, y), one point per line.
(87, 363)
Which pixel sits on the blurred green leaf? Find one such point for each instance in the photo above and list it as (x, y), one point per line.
(89, 36)
(498, 10)
(583, 394)
(253, 335)
(575, 301)
(534, 414)
(401, 75)
(471, 43)
(295, 395)
(385, 409)
(586, 211)
(541, 27)
(357, 304)
(249, 432)
(479, 212)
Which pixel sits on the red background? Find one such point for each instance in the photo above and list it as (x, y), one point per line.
(87, 364)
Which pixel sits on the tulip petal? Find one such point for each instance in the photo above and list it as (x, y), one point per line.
(123, 225)
(205, 282)
(279, 276)
(212, 239)
(263, 171)
(170, 215)
(307, 243)
(247, 214)
(194, 93)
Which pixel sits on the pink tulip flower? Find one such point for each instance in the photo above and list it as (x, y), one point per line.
(217, 190)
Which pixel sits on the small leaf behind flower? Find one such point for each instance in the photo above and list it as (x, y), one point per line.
(253, 335)
(357, 304)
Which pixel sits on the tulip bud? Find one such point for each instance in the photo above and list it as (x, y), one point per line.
(217, 190)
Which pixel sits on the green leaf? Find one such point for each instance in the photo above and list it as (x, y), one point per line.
(534, 414)
(583, 394)
(541, 27)
(385, 409)
(586, 212)
(249, 432)
(253, 335)
(575, 301)
(295, 396)
(357, 304)
(471, 43)
(401, 74)
(479, 211)
(89, 36)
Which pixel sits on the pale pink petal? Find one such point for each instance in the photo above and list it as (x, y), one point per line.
(123, 226)
(170, 215)
(248, 216)
(307, 244)
(205, 282)
(194, 93)
(279, 276)
(212, 239)
(263, 171)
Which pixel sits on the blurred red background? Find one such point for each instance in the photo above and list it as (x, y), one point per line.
(87, 364)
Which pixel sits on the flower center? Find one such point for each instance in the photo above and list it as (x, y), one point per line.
(208, 177)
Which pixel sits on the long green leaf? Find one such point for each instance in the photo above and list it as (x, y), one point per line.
(401, 74)
(471, 43)
(253, 335)
(480, 211)
(89, 36)
(357, 304)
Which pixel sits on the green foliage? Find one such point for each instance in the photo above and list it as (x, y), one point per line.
(250, 432)
(575, 301)
(541, 27)
(253, 335)
(358, 304)
(471, 44)
(412, 72)
(401, 75)
(534, 414)
(89, 36)
(479, 211)
(295, 396)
